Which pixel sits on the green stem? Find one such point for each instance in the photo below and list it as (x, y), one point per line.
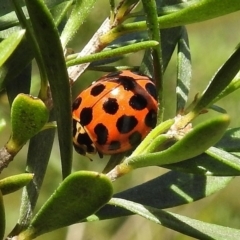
(154, 34)
(112, 53)
(206, 9)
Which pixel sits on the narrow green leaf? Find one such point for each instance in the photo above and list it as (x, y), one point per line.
(55, 68)
(36, 164)
(184, 70)
(2, 217)
(169, 190)
(9, 19)
(168, 48)
(14, 183)
(195, 142)
(230, 141)
(60, 10)
(188, 226)
(15, 65)
(233, 86)
(206, 9)
(192, 144)
(217, 109)
(18, 84)
(78, 196)
(123, 9)
(53, 3)
(185, 14)
(113, 53)
(2, 124)
(8, 45)
(219, 82)
(150, 9)
(78, 15)
(214, 162)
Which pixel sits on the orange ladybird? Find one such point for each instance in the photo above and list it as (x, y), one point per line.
(114, 114)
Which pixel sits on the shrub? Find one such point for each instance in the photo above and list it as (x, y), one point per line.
(201, 159)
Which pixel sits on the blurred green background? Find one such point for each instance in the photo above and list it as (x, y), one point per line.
(211, 43)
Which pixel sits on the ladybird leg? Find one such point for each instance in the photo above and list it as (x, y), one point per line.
(100, 154)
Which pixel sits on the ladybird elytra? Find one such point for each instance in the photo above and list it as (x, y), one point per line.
(114, 114)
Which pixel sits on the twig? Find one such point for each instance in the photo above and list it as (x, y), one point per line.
(93, 46)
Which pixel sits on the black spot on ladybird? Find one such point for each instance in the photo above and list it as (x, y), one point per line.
(102, 133)
(86, 116)
(110, 106)
(114, 145)
(128, 83)
(151, 89)
(151, 118)
(126, 123)
(135, 138)
(76, 103)
(138, 102)
(97, 89)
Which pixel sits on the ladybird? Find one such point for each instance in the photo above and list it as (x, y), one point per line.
(114, 114)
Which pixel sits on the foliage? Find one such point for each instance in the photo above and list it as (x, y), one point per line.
(202, 159)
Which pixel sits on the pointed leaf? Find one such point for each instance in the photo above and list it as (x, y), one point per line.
(78, 196)
(195, 142)
(37, 164)
(181, 14)
(20, 83)
(48, 41)
(184, 74)
(78, 15)
(214, 162)
(9, 19)
(169, 190)
(167, 50)
(15, 65)
(206, 9)
(230, 141)
(60, 10)
(220, 81)
(8, 45)
(188, 226)
(233, 86)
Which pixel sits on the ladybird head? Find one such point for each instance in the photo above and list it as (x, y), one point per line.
(82, 142)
